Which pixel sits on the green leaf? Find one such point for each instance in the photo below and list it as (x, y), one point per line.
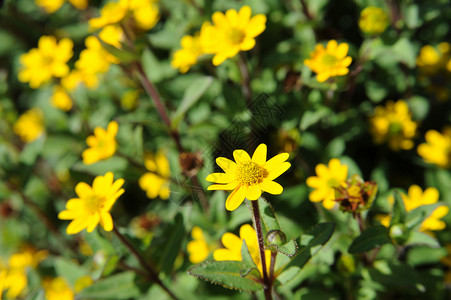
(310, 243)
(371, 238)
(421, 238)
(173, 244)
(268, 217)
(399, 211)
(425, 255)
(418, 215)
(227, 274)
(404, 51)
(311, 117)
(289, 249)
(192, 94)
(246, 257)
(155, 69)
(120, 286)
(31, 151)
(124, 55)
(69, 270)
(138, 142)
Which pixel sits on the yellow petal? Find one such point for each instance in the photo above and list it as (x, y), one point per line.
(276, 161)
(106, 221)
(76, 226)
(231, 241)
(223, 187)
(241, 156)
(236, 198)
(271, 187)
(253, 192)
(226, 164)
(259, 156)
(226, 254)
(220, 177)
(273, 174)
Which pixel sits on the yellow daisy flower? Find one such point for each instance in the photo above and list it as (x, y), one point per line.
(198, 248)
(102, 144)
(111, 13)
(247, 177)
(437, 149)
(231, 33)
(393, 124)
(113, 35)
(329, 61)
(93, 205)
(30, 125)
(373, 20)
(186, 57)
(156, 182)
(416, 197)
(49, 60)
(328, 179)
(61, 99)
(57, 289)
(233, 244)
(432, 60)
(50, 6)
(145, 13)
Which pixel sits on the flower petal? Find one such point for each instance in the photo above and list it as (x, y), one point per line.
(259, 156)
(253, 192)
(220, 177)
(226, 164)
(273, 174)
(106, 221)
(271, 187)
(236, 198)
(276, 161)
(223, 187)
(241, 156)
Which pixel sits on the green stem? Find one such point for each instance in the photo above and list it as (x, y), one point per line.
(153, 275)
(258, 228)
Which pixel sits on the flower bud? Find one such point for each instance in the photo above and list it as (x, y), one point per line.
(276, 237)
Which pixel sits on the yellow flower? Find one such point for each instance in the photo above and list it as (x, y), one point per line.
(30, 125)
(231, 33)
(329, 61)
(50, 6)
(57, 289)
(156, 182)
(3, 274)
(437, 149)
(186, 57)
(93, 205)
(393, 124)
(248, 178)
(432, 60)
(198, 248)
(16, 278)
(326, 182)
(49, 60)
(113, 35)
(60, 99)
(233, 244)
(373, 20)
(82, 283)
(416, 197)
(102, 144)
(145, 13)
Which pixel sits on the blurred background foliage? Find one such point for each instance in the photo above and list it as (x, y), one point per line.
(318, 121)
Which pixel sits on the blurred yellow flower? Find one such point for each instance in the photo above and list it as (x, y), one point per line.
(83, 282)
(60, 98)
(113, 35)
(198, 248)
(231, 33)
(433, 59)
(156, 182)
(415, 198)
(30, 125)
(145, 14)
(16, 278)
(186, 57)
(233, 244)
(329, 61)
(373, 20)
(327, 180)
(57, 289)
(393, 124)
(93, 205)
(102, 144)
(437, 149)
(49, 60)
(247, 177)
(50, 6)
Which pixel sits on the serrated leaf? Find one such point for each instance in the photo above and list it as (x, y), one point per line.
(289, 249)
(120, 286)
(371, 238)
(192, 94)
(226, 274)
(268, 217)
(310, 243)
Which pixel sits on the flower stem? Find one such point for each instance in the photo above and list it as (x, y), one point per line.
(153, 275)
(258, 228)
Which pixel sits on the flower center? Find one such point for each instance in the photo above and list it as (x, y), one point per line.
(329, 60)
(235, 36)
(47, 60)
(395, 128)
(251, 173)
(94, 203)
